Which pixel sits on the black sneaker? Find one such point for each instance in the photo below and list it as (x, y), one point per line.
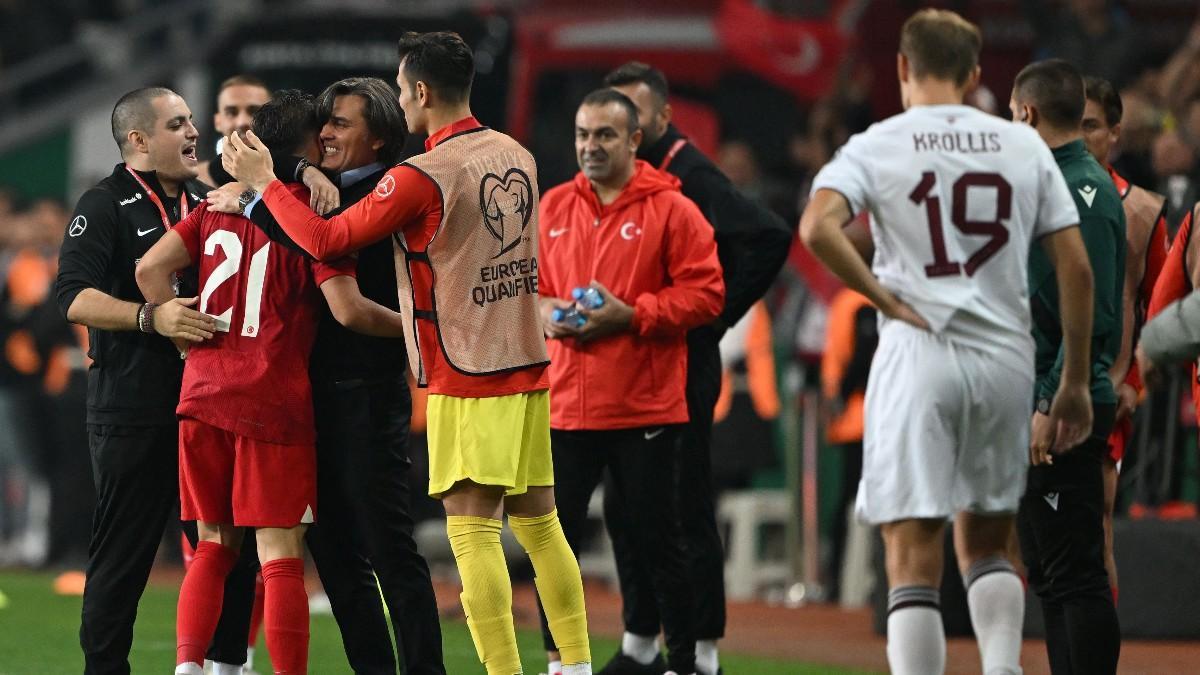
(626, 665)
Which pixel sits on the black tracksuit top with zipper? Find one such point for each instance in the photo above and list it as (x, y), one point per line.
(135, 377)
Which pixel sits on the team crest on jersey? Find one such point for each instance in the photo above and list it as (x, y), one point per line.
(507, 206)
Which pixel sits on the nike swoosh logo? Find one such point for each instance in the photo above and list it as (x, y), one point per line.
(651, 435)
(1052, 500)
(142, 233)
(557, 233)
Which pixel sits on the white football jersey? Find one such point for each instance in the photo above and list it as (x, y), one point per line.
(956, 197)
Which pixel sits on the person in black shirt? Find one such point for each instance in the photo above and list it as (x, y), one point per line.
(135, 376)
(752, 245)
(363, 408)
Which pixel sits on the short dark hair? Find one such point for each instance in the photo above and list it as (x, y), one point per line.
(380, 109)
(604, 96)
(243, 79)
(441, 60)
(135, 110)
(1055, 88)
(941, 44)
(287, 121)
(634, 72)
(1101, 91)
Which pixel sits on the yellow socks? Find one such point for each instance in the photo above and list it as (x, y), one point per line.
(558, 583)
(487, 591)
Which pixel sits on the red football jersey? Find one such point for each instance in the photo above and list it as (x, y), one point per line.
(251, 378)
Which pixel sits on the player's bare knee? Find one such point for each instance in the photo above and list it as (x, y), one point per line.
(275, 543)
(537, 501)
(978, 536)
(220, 533)
(468, 498)
(914, 552)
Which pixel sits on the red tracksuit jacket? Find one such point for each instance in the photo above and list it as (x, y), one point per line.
(653, 249)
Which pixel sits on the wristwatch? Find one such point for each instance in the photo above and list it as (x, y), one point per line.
(1043, 406)
(245, 198)
(300, 167)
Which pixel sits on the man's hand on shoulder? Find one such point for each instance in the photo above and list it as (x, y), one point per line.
(248, 160)
(225, 198)
(323, 194)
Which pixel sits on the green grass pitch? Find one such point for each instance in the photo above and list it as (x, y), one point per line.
(39, 636)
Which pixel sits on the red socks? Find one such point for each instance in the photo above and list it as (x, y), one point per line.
(200, 599)
(285, 615)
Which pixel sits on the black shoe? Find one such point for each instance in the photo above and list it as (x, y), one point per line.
(626, 665)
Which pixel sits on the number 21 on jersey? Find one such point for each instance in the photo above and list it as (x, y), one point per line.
(231, 246)
(992, 228)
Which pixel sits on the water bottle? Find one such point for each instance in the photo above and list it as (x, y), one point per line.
(569, 316)
(588, 297)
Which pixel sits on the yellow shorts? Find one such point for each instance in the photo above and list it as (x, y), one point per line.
(500, 440)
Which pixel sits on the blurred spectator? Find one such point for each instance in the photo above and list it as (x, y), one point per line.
(983, 99)
(1179, 81)
(739, 162)
(851, 337)
(1097, 36)
(1140, 124)
(35, 383)
(1173, 158)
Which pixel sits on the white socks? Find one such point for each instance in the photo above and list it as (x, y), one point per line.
(916, 641)
(640, 648)
(189, 668)
(707, 661)
(225, 668)
(577, 669)
(996, 598)
(554, 668)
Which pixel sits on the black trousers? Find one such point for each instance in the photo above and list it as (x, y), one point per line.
(1062, 542)
(364, 528)
(697, 505)
(136, 473)
(642, 465)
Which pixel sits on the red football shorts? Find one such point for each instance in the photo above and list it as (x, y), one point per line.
(1121, 433)
(225, 478)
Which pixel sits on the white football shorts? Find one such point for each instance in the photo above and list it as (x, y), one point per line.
(946, 428)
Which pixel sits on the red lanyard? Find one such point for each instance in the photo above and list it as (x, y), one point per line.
(675, 148)
(152, 196)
